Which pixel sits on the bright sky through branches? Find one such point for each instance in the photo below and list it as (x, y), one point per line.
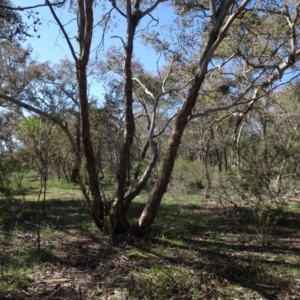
(51, 45)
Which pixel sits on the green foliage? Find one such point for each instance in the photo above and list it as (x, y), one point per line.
(11, 24)
(188, 176)
(37, 128)
(12, 281)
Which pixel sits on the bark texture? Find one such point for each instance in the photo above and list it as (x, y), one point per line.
(85, 31)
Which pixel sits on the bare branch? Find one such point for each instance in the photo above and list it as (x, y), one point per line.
(62, 29)
(208, 111)
(33, 109)
(149, 23)
(224, 62)
(104, 20)
(165, 127)
(153, 19)
(118, 37)
(113, 3)
(144, 88)
(151, 8)
(163, 87)
(21, 8)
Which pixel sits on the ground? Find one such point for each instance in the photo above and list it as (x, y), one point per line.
(197, 249)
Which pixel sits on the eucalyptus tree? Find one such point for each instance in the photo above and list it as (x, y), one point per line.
(144, 106)
(55, 91)
(234, 38)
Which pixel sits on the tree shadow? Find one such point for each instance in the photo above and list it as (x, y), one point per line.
(213, 243)
(234, 247)
(58, 214)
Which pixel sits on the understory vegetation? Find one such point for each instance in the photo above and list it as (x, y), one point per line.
(199, 248)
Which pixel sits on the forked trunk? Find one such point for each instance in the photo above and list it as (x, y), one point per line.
(119, 221)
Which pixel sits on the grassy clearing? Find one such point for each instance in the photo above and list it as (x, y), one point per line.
(196, 250)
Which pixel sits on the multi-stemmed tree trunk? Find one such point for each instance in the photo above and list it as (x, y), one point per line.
(217, 34)
(133, 16)
(223, 15)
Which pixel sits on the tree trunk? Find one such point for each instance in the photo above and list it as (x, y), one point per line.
(144, 179)
(74, 175)
(215, 37)
(207, 175)
(225, 158)
(120, 223)
(98, 206)
(65, 172)
(219, 160)
(75, 171)
(151, 209)
(142, 157)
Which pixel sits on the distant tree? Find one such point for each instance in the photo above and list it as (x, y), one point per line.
(11, 160)
(41, 136)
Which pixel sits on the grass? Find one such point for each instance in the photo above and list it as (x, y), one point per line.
(195, 250)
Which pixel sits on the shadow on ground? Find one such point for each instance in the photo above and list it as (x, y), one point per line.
(197, 252)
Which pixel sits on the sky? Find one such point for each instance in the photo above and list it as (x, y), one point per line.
(51, 46)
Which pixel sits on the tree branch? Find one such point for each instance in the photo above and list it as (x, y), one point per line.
(151, 8)
(113, 3)
(144, 88)
(88, 31)
(212, 7)
(31, 7)
(62, 29)
(118, 37)
(163, 87)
